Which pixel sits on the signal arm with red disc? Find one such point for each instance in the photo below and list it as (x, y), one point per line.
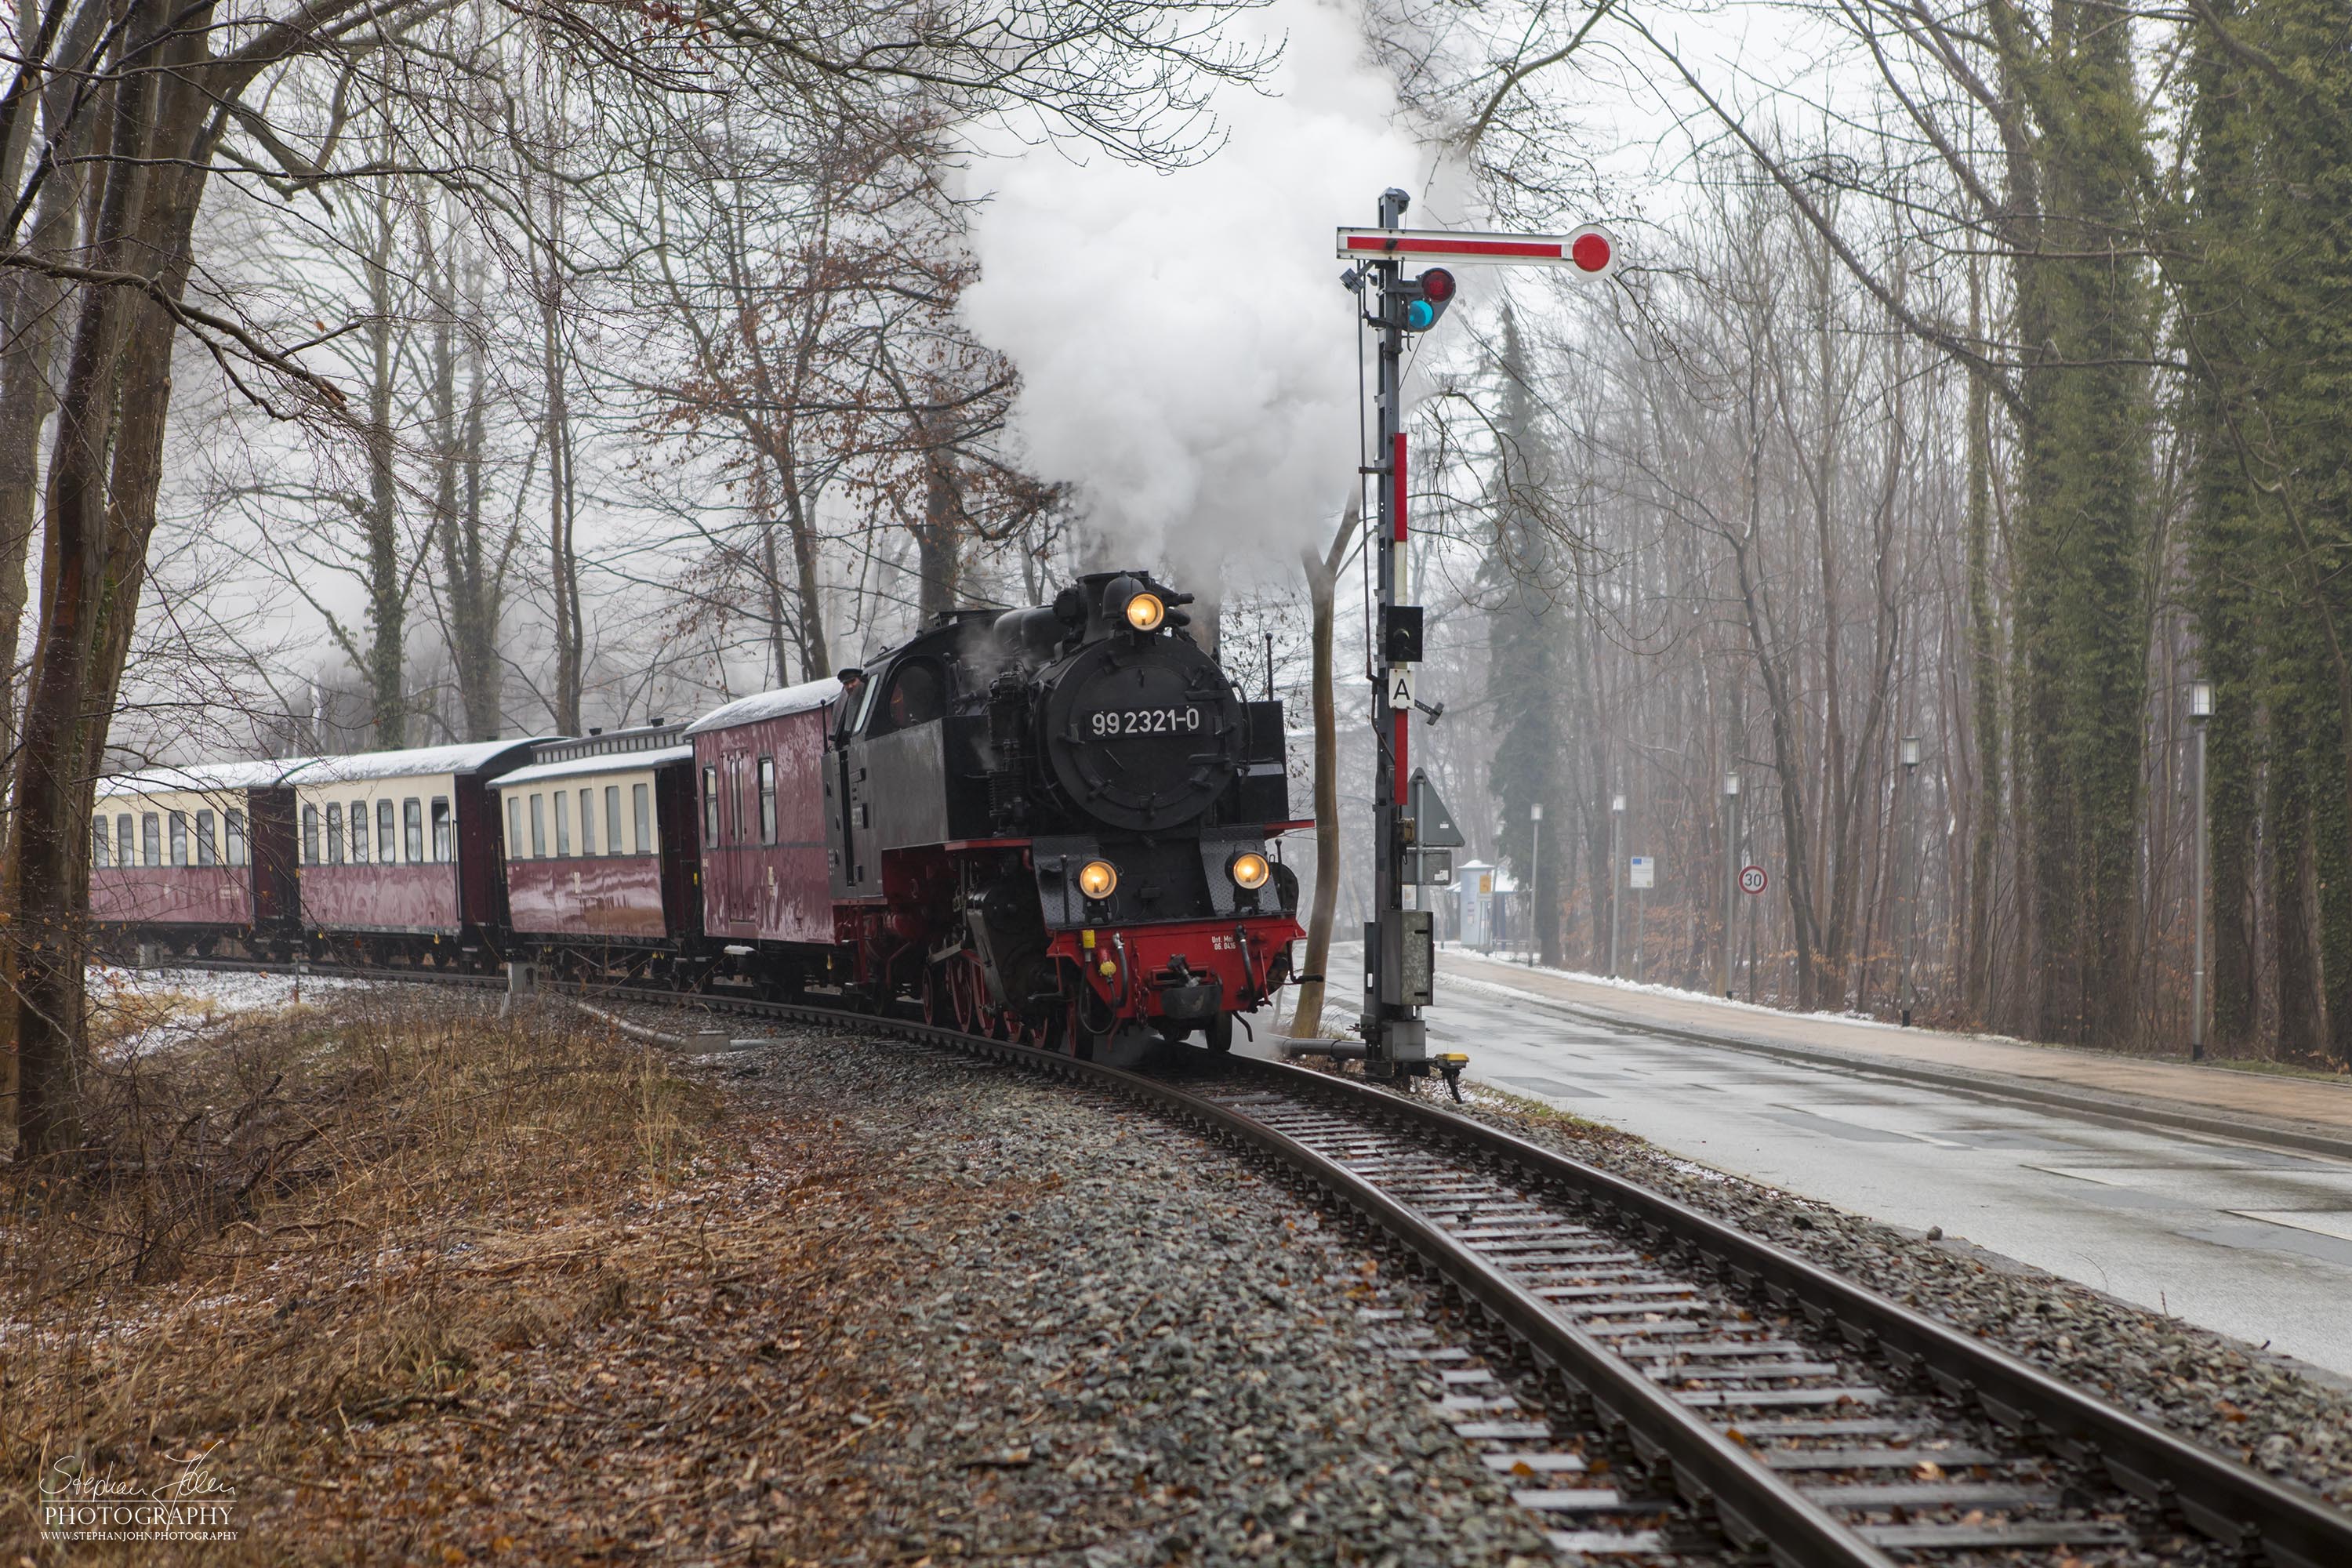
(1590, 249)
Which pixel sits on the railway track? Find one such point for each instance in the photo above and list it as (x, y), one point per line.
(1661, 1384)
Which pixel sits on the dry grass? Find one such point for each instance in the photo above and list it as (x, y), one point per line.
(317, 1223)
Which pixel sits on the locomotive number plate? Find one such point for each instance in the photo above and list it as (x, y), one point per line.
(1185, 720)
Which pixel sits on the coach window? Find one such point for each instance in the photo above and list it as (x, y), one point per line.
(767, 800)
(233, 828)
(125, 854)
(359, 833)
(587, 822)
(710, 805)
(151, 839)
(641, 801)
(335, 833)
(384, 835)
(207, 853)
(613, 820)
(562, 824)
(102, 842)
(310, 835)
(539, 827)
(179, 820)
(412, 829)
(444, 848)
(514, 828)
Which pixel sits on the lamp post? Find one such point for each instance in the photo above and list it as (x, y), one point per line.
(2200, 709)
(1911, 909)
(1730, 875)
(1616, 875)
(1534, 875)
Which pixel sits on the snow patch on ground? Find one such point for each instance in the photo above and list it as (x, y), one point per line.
(1675, 993)
(142, 1011)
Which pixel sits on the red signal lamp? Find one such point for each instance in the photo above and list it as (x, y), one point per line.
(1590, 252)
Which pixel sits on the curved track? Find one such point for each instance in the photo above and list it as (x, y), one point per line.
(1741, 1394)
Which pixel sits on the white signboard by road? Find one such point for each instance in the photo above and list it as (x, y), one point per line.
(1644, 872)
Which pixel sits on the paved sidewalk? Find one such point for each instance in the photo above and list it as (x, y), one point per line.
(2313, 1104)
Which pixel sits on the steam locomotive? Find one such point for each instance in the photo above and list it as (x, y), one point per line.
(1053, 824)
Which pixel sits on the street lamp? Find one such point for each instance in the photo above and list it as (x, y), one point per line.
(1616, 827)
(1731, 875)
(1534, 875)
(1910, 850)
(2200, 709)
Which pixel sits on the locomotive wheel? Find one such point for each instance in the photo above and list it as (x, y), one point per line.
(936, 1004)
(967, 1004)
(1218, 1034)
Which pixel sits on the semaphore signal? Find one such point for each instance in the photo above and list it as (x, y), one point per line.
(1400, 949)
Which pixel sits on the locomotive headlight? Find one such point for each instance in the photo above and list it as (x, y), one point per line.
(1145, 612)
(1099, 879)
(1249, 869)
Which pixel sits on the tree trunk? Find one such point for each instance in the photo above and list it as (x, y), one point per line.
(1984, 678)
(387, 609)
(939, 543)
(1322, 580)
(121, 342)
(562, 496)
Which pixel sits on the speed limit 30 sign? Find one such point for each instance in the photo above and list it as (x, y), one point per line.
(1752, 880)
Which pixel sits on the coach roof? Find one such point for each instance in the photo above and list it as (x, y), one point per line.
(467, 757)
(805, 697)
(198, 777)
(597, 762)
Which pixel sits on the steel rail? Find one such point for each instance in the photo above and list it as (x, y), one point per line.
(2220, 1498)
(2263, 1519)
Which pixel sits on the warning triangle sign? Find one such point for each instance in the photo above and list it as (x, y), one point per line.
(1433, 826)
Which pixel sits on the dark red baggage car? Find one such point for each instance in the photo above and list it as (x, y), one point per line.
(759, 770)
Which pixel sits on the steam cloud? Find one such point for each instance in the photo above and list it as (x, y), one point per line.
(1187, 353)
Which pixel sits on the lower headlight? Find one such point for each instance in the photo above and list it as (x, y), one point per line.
(1099, 879)
(1249, 869)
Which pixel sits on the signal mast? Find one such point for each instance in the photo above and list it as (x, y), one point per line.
(1414, 833)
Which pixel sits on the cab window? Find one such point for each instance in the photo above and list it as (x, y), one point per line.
(917, 694)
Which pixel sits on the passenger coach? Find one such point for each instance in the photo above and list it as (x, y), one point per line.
(400, 853)
(601, 848)
(185, 857)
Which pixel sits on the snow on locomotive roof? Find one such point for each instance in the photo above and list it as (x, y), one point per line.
(194, 778)
(466, 757)
(801, 699)
(602, 762)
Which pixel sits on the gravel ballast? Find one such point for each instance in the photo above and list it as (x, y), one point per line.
(2278, 1415)
(1103, 1341)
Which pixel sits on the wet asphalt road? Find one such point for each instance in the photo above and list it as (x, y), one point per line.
(2253, 1242)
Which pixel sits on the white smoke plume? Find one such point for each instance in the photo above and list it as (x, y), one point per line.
(1187, 354)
